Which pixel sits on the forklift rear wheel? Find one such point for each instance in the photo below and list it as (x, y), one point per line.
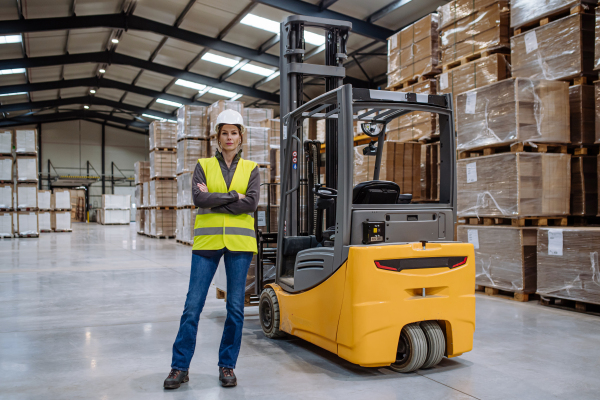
(268, 310)
(412, 349)
(436, 344)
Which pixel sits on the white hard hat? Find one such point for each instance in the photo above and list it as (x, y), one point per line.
(230, 117)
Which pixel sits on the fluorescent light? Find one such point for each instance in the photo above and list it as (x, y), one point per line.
(153, 116)
(203, 92)
(115, 41)
(92, 91)
(172, 120)
(13, 94)
(189, 84)
(261, 23)
(255, 69)
(168, 102)
(221, 92)
(86, 107)
(313, 38)
(234, 98)
(10, 39)
(102, 70)
(12, 71)
(272, 76)
(219, 60)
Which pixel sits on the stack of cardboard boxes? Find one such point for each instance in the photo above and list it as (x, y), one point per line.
(142, 193)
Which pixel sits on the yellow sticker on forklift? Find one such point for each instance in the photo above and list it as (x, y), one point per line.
(374, 230)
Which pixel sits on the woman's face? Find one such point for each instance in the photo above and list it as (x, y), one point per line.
(230, 137)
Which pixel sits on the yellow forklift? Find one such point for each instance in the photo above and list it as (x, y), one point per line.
(361, 270)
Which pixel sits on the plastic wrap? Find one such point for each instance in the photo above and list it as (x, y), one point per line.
(513, 110)
(192, 122)
(163, 164)
(44, 202)
(6, 225)
(27, 223)
(110, 216)
(430, 168)
(505, 257)
(139, 195)
(6, 138)
(265, 177)
(188, 153)
(26, 195)
(25, 141)
(514, 185)
(147, 222)
(163, 193)
(562, 49)
(567, 263)
(184, 190)
(163, 135)
(61, 221)
(44, 221)
(6, 169)
(186, 218)
(146, 194)
(27, 169)
(116, 201)
(61, 199)
(526, 12)
(255, 145)
(6, 196)
(459, 9)
(163, 222)
(140, 220)
(218, 107)
(141, 171)
(584, 185)
(415, 125)
(258, 117)
(581, 105)
(274, 132)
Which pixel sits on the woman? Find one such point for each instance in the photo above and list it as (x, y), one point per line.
(226, 189)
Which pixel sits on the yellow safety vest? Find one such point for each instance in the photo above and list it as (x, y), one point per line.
(214, 231)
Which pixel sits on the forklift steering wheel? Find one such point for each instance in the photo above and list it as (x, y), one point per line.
(325, 193)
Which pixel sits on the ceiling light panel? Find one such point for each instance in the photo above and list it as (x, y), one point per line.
(10, 39)
(221, 92)
(168, 102)
(189, 84)
(261, 23)
(255, 69)
(13, 94)
(12, 71)
(229, 62)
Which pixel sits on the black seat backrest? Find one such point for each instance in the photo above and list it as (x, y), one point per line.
(376, 192)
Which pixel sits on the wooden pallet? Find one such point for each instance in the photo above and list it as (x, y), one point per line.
(571, 305)
(59, 209)
(249, 300)
(201, 139)
(518, 147)
(581, 220)
(161, 237)
(411, 81)
(158, 178)
(3, 210)
(27, 209)
(163, 208)
(63, 230)
(517, 296)
(474, 57)
(578, 9)
(27, 236)
(164, 149)
(517, 222)
(185, 243)
(45, 230)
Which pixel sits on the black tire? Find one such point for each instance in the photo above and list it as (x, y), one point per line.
(412, 349)
(268, 313)
(436, 343)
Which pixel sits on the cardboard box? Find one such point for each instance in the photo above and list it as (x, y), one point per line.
(267, 224)
(6, 196)
(162, 222)
(185, 196)
(6, 141)
(256, 145)
(414, 33)
(116, 201)
(27, 169)
(139, 195)
(163, 193)
(492, 17)
(140, 220)
(163, 164)
(186, 218)
(525, 12)
(430, 167)
(514, 185)
(567, 263)
(493, 39)
(44, 202)
(146, 194)
(6, 168)
(265, 177)
(597, 118)
(505, 256)
(258, 117)
(25, 141)
(562, 49)
(141, 172)
(513, 110)
(163, 135)
(60, 199)
(192, 122)
(582, 109)
(188, 153)
(415, 125)
(6, 225)
(584, 185)
(26, 195)
(459, 9)
(147, 221)
(274, 133)
(60, 221)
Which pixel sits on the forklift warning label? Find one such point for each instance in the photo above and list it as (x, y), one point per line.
(473, 237)
(555, 242)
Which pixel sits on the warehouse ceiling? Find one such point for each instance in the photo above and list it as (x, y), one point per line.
(128, 62)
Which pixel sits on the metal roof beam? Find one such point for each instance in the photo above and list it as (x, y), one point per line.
(69, 115)
(325, 4)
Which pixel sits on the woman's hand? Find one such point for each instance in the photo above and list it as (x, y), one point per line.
(241, 196)
(202, 187)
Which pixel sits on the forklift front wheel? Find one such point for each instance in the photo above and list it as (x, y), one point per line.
(268, 310)
(412, 349)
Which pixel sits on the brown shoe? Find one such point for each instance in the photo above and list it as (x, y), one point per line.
(176, 378)
(227, 377)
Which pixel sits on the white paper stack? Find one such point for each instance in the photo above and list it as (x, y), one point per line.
(116, 216)
(25, 141)
(6, 196)
(44, 221)
(6, 169)
(6, 225)
(116, 202)
(26, 196)
(61, 221)
(27, 169)
(5, 142)
(28, 223)
(146, 194)
(44, 200)
(62, 200)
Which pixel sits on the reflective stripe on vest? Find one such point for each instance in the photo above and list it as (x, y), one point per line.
(214, 231)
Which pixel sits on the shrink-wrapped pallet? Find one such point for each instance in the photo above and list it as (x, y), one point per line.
(584, 185)
(139, 195)
(258, 117)
(255, 145)
(163, 164)
(458, 9)
(162, 222)
(192, 122)
(597, 41)
(568, 265)
(163, 193)
(163, 135)
(514, 185)
(562, 49)
(505, 256)
(597, 108)
(25, 141)
(274, 133)
(146, 194)
(116, 201)
(265, 177)
(6, 139)
(147, 221)
(6, 225)
(141, 172)
(60, 221)
(6, 196)
(185, 196)
(6, 169)
(417, 124)
(528, 12)
(430, 171)
(476, 74)
(26, 195)
(27, 223)
(364, 165)
(513, 110)
(266, 217)
(188, 153)
(27, 169)
(61, 199)
(140, 220)
(582, 109)
(186, 217)
(218, 107)
(115, 217)
(486, 29)
(44, 202)
(44, 222)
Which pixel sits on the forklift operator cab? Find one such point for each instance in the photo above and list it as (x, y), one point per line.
(361, 270)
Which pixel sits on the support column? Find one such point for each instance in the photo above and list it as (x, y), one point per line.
(103, 156)
(39, 140)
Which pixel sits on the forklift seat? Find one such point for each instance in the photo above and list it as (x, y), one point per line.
(376, 192)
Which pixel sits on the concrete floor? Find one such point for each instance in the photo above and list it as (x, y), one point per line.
(93, 314)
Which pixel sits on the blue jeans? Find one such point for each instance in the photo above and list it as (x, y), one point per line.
(203, 270)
